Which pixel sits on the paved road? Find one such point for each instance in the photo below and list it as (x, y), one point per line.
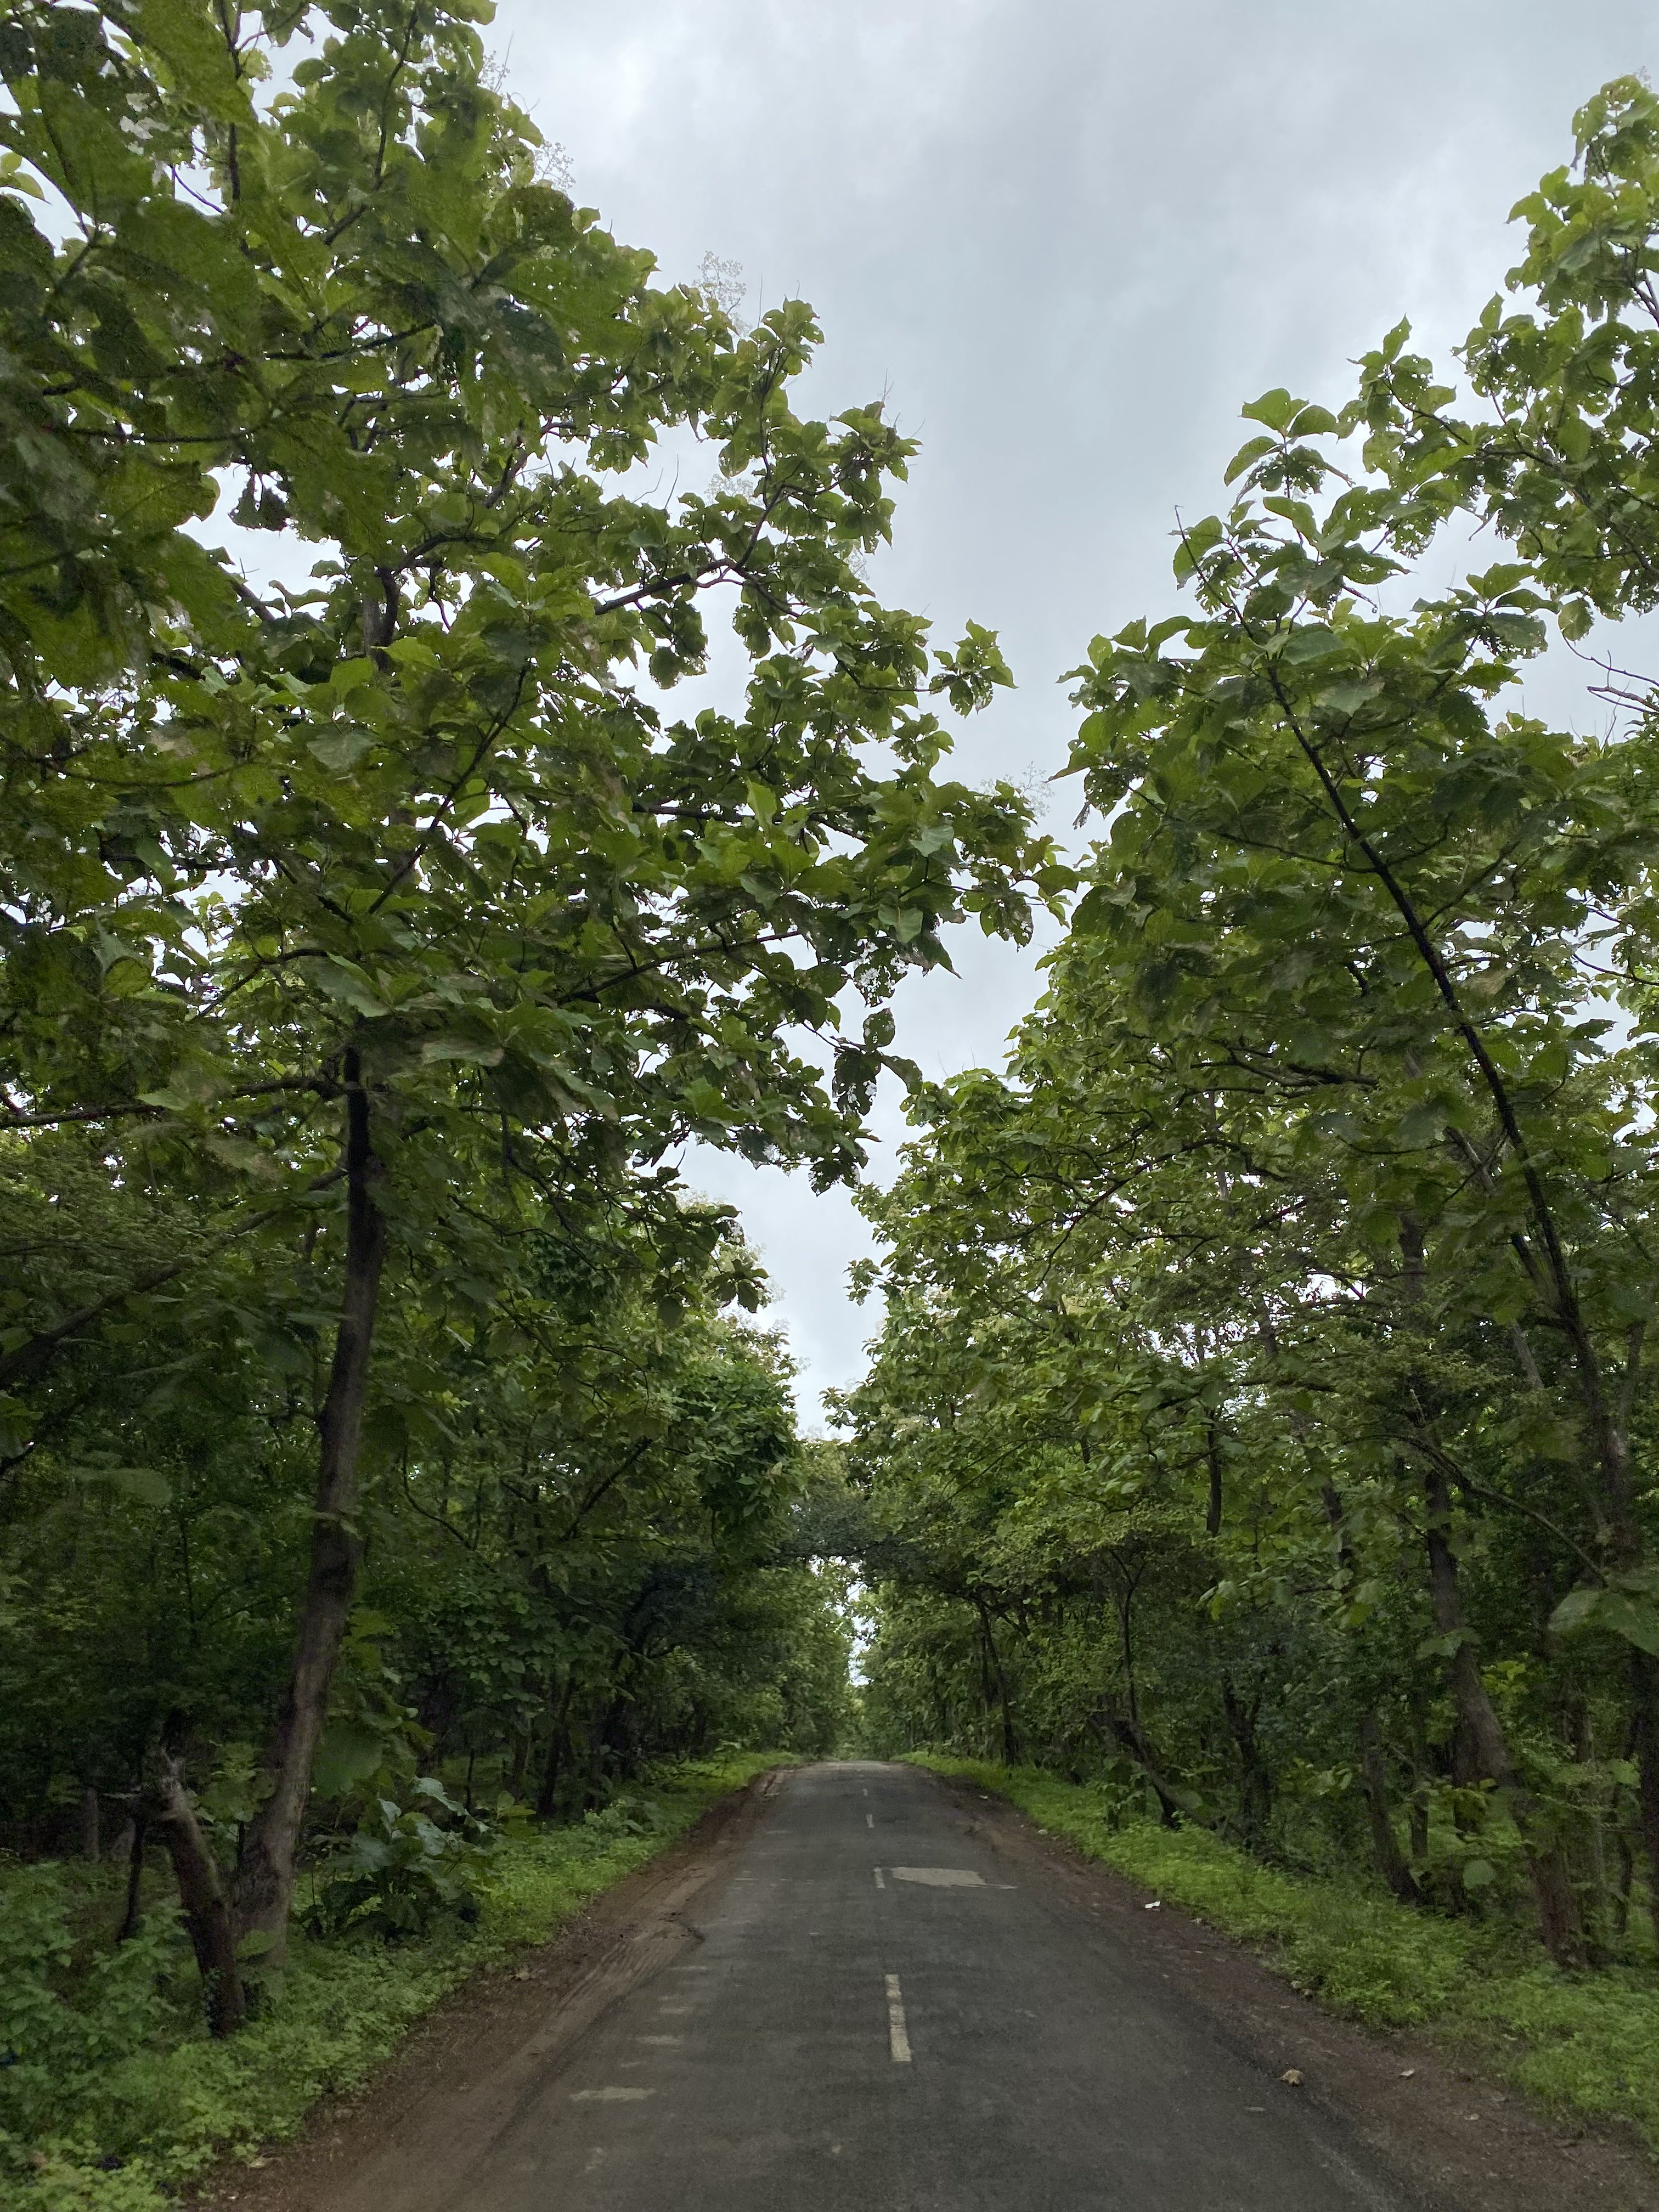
(879, 2018)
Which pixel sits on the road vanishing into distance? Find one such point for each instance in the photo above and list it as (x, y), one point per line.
(878, 2018)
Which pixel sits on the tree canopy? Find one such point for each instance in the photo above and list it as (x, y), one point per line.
(369, 943)
(1264, 1387)
(1261, 1424)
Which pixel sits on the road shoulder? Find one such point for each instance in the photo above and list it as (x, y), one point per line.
(412, 2135)
(1451, 2136)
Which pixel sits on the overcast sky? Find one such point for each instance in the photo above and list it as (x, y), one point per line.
(1067, 241)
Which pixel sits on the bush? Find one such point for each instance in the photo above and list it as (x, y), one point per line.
(124, 2100)
(67, 2014)
(404, 1868)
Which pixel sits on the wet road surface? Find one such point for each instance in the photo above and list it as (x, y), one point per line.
(877, 2016)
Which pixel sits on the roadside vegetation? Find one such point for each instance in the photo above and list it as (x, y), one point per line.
(1260, 1436)
(124, 2099)
(1585, 2046)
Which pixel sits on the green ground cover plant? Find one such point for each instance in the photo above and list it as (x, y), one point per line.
(115, 2097)
(1586, 2046)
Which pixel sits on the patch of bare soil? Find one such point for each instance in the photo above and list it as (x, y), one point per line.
(412, 2137)
(1454, 2138)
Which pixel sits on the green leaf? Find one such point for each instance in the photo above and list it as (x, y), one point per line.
(1251, 451)
(341, 747)
(349, 1753)
(1276, 408)
(1625, 1613)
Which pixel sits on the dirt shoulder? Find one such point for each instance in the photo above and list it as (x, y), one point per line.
(1452, 2137)
(462, 2070)
(1454, 2140)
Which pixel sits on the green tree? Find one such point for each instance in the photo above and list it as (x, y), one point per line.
(328, 907)
(1338, 1112)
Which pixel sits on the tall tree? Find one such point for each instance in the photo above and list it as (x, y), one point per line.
(323, 901)
(1346, 1056)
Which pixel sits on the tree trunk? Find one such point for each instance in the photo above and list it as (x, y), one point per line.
(1644, 1698)
(264, 1873)
(994, 1661)
(1622, 1885)
(1255, 1788)
(1559, 1922)
(557, 1751)
(521, 1766)
(1373, 1768)
(133, 1909)
(91, 1826)
(1124, 1737)
(207, 1910)
(1418, 1815)
(1374, 1788)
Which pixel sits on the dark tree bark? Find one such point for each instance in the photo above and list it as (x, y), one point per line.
(520, 1767)
(133, 1909)
(207, 1909)
(1374, 1788)
(1479, 1750)
(1644, 1700)
(1559, 1923)
(1123, 1736)
(91, 1826)
(997, 1672)
(264, 1875)
(1623, 1882)
(1418, 1813)
(1255, 1787)
(1373, 1768)
(558, 1751)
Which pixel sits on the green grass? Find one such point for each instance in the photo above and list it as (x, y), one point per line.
(124, 2129)
(1586, 2046)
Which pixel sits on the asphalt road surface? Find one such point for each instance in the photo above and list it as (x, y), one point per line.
(878, 2018)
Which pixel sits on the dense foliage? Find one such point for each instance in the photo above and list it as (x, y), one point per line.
(376, 1434)
(1262, 1427)
(125, 2103)
(1265, 1413)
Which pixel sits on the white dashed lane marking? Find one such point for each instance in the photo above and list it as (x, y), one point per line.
(898, 2038)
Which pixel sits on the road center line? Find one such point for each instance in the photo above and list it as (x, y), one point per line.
(869, 1819)
(897, 2037)
(880, 1881)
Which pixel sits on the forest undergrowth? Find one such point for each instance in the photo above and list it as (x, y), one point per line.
(126, 2100)
(1585, 2046)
